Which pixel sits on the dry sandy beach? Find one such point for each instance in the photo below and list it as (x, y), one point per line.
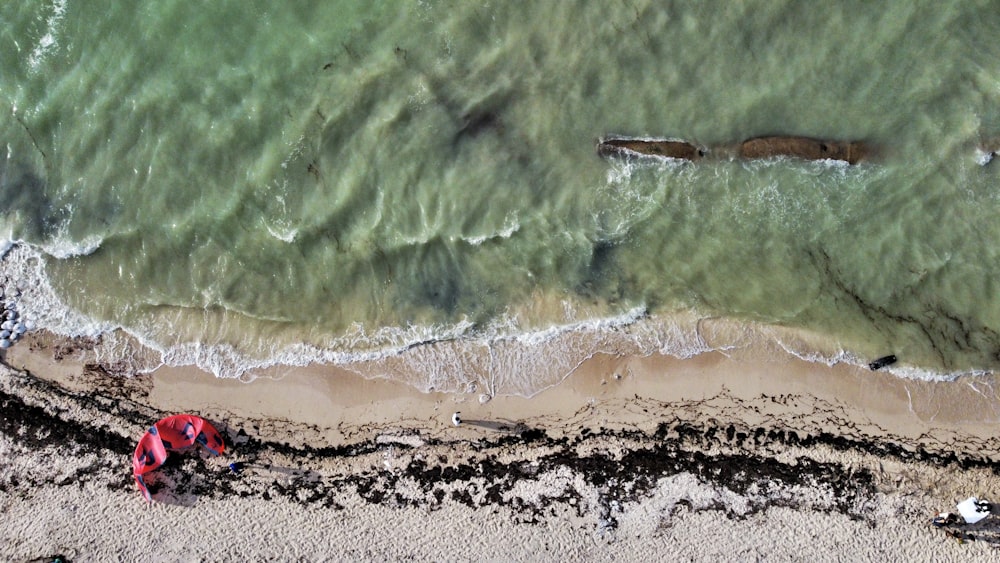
(631, 458)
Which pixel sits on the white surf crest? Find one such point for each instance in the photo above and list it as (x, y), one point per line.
(510, 226)
(62, 247)
(48, 41)
(24, 266)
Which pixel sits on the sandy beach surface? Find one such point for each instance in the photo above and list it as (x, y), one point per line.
(631, 458)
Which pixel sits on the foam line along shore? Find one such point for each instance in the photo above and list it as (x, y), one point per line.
(627, 450)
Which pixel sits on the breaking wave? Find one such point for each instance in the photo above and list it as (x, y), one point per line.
(500, 359)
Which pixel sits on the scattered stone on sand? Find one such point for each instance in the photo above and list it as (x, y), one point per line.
(12, 325)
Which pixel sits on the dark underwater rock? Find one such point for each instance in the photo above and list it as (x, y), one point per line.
(663, 148)
(804, 147)
(989, 150)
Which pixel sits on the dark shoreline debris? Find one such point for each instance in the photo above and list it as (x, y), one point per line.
(746, 464)
(882, 362)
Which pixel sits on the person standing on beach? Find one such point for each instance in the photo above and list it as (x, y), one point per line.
(455, 419)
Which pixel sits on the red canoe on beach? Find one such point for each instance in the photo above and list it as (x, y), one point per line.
(172, 434)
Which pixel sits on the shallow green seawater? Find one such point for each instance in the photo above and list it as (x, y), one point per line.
(328, 181)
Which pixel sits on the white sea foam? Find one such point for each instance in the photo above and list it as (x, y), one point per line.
(63, 247)
(536, 337)
(842, 356)
(24, 266)
(838, 357)
(282, 233)
(510, 226)
(919, 374)
(503, 358)
(48, 41)
(811, 166)
(681, 338)
(621, 170)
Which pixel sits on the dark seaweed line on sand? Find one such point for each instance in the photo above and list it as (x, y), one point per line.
(673, 449)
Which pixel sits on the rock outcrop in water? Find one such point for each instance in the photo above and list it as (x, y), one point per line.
(760, 147)
(663, 148)
(989, 150)
(803, 147)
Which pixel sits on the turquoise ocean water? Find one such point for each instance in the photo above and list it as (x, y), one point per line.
(414, 185)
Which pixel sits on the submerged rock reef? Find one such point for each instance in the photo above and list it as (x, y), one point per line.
(988, 150)
(665, 148)
(806, 148)
(803, 147)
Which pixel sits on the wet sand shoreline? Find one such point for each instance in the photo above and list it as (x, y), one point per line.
(628, 455)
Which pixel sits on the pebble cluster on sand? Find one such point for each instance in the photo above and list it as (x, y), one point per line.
(13, 326)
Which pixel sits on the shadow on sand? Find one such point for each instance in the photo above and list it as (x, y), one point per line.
(986, 530)
(501, 425)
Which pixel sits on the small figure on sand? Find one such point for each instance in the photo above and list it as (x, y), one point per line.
(455, 419)
(945, 519)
